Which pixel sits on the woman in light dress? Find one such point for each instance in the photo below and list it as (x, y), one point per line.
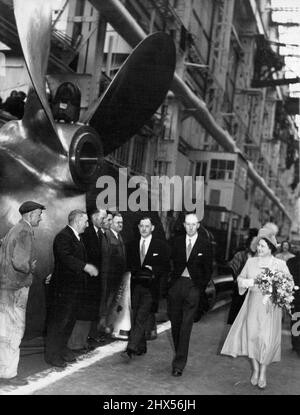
(256, 331)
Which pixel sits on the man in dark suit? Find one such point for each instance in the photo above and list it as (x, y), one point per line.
(148, 262)
(203, 305)
(89, 306)
(293, 265)
(117, 262)
(68, 280)
(105, 247)
(190, 273)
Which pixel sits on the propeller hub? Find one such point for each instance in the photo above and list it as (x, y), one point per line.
(85, 157)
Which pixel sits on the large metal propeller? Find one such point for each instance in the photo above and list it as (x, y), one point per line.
(132, 97)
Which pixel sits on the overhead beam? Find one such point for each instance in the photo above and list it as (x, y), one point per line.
(257, 83)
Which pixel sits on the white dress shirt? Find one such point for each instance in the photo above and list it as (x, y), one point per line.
(115, 233)
(192, 238)
(147, 243)
(187, 241)
(75, 232)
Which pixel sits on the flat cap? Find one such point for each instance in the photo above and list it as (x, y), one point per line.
(29, 206)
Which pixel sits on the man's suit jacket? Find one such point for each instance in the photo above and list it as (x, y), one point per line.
(117, 258)
(69, 260)
(105, 250)
(293, 265)
(91, 295)
(93, 246)
(158, 257)
(198, 264)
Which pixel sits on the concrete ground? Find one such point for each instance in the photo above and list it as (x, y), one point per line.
(103, 372)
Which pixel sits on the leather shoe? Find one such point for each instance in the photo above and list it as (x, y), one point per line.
(16, 381)
(176, 372)
(127, 355)
(56, 362)
(141, 352)
(90, 347)
(69, 359)
(84, 350)
(102, 338)
(68, 356)
(93, 343)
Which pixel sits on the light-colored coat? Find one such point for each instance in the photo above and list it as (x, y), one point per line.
(16, 257)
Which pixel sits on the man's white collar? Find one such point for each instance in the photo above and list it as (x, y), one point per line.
(75, 232)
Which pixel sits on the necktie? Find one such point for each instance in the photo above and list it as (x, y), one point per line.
(83, 246)
(189, 249)
(102, 237)
(122, 244)
(143, 252)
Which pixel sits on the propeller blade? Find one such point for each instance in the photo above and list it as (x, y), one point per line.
(36, 122)
(136, 91)
(33, 20)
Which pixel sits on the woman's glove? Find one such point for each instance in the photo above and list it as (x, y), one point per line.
(246, 282)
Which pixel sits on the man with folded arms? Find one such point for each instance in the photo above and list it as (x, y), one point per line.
(16, 275)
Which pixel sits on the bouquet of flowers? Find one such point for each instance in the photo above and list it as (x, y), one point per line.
(278, 287)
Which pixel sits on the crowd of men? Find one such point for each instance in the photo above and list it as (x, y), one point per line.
(90, 258)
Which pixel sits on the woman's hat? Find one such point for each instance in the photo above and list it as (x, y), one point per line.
(266, 234)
